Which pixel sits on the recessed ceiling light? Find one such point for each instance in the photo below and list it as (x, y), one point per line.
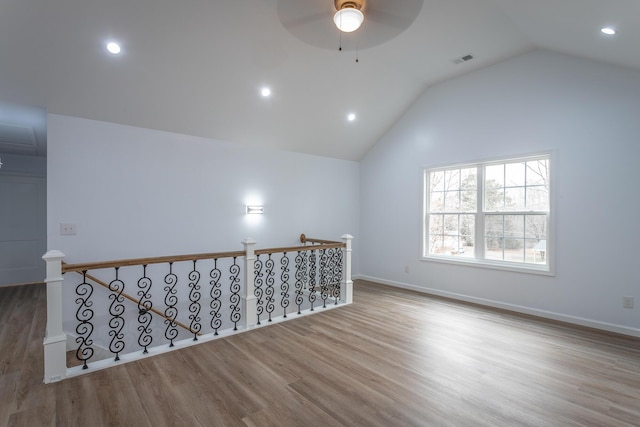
(351, 117)
(265, 91)
(608, 31)
(113, 47)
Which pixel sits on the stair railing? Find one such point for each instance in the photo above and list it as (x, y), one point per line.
(119, 305)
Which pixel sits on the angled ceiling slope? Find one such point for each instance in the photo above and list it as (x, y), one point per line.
(197, 68)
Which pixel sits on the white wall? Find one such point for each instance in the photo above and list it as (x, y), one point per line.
(136, 192)
(587, 114)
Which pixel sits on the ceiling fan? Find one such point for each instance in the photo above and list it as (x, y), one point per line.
(316, 22)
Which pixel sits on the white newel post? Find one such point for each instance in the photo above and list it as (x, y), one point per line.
(346, 285)
(249, 304)
(55, 340)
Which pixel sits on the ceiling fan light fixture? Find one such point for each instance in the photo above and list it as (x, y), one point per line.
(349, 17)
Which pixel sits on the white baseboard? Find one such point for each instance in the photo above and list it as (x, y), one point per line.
(590, 323)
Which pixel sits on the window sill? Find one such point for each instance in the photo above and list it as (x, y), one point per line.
(544, 270)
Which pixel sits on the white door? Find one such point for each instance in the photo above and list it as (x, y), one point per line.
(22, 229)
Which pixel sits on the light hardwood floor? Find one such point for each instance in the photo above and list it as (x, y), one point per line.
(393, 358)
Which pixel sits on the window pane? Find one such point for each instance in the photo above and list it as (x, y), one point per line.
(466, 252)
(536, 251)
(513, 226)
(514, 250)
(538, 199)
(436, 181)
(493, 249)
(494, 198)
(451, 225)
(451, 245)
(512, 246)
(436, 224)
(467, 233)
(452, 179)
(538, 172)
(468, 179)
(514, 174)
(468, 201)
(494, 175)
(514, 199)
(452, 201)
(493, 224)
(536, 227)
(435, 245)
(493, 236)
(436, 202)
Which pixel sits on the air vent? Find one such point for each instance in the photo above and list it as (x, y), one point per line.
(465, 58)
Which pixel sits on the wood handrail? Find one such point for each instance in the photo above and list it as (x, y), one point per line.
(330, 245)
(146, 261)
(305, 239)
(137, 302)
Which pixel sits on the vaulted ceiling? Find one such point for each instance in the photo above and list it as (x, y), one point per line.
(196, 67)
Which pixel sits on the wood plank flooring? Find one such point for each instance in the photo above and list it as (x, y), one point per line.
(393, 358)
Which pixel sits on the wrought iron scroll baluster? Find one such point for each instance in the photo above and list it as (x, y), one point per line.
(312, 277)
(301, 277)
(84, 315)
(269, 291)
(215, 294)
(194, 297)
(234, 298)
(324, 287)
(330, 272)
(258, 291)
(170, 301)
(116, 323)
(336, 265)
(284, 283)
(144, 307)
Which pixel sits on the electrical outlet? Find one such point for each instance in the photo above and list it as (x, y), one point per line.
(627, 302)
(67, 229)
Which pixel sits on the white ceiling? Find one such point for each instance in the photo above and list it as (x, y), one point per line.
(196, 67)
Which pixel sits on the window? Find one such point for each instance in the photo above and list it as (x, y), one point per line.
(494, 213)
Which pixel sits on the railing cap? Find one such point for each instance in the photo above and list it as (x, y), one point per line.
(53, 255)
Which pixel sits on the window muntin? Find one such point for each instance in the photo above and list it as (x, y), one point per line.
(495, 213)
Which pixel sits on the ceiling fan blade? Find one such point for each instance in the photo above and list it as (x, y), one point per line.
(390, 20)
(292, 22)
(396, 13)
(300, 12)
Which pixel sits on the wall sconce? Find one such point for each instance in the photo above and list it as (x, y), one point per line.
(255, 209)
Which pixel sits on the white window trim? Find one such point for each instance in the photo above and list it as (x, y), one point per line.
(478, 261)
